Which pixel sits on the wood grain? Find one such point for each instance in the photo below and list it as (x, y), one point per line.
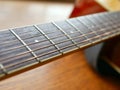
(70, 72)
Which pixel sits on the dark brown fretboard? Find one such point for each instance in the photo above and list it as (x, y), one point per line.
(26, 46)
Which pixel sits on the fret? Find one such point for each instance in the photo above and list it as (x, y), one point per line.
(114, 23)
(51, 31)
(25, 30)
(114, 16)
(67, 46)
(48, 28)
(3, 69)
(7, 36)
(90, 26)
(29, 49)
(82, 38)
(103, 27)
(5, 33)
(100, 31)
(21, 47)
(111, 18)
(65, 34)
(106, 19)
(49, 40)
(101, 21)
(80, 26)
(68, 42)
(97, 20)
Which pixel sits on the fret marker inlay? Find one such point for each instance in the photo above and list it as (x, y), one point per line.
(90, 42)
(24, 44)
(97, 35)
(65, 34)
(23, 47)
(48, 39)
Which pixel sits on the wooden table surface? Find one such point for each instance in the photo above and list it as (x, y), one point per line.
(70, 72)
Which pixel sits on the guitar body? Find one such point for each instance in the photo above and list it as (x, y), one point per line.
(70, 72)
(96, 55)
(105, 57)
(73, 74)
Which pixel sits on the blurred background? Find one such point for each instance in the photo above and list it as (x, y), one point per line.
(15, 13)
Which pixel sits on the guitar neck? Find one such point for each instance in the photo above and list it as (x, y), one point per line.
(26, 46)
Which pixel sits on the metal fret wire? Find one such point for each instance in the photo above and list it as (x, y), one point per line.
(31, 37)
(3, 68)
(32, 58)
(85, 35)
(23, 53)
(101, 20)
(26, 38)
(33, 43)
(22, 46)
(30, 44)
(50, 40)
(109, 20)
(103, 24)
(43, 54)
(47, 33)
(98, 26)
(29, 49)
(59, 28)
(89, 28)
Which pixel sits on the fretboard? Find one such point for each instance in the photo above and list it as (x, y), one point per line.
(30, 45)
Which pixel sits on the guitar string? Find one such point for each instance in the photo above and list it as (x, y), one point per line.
(42, 55)
(17, 63)
(44, 47)
(59, 35)
(116, 14)
(30, 43)
(41, 48)
(36, 35)
(25, 65)
(40, 35)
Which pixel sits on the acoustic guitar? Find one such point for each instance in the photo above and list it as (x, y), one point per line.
(25, 48)
(103, 59)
